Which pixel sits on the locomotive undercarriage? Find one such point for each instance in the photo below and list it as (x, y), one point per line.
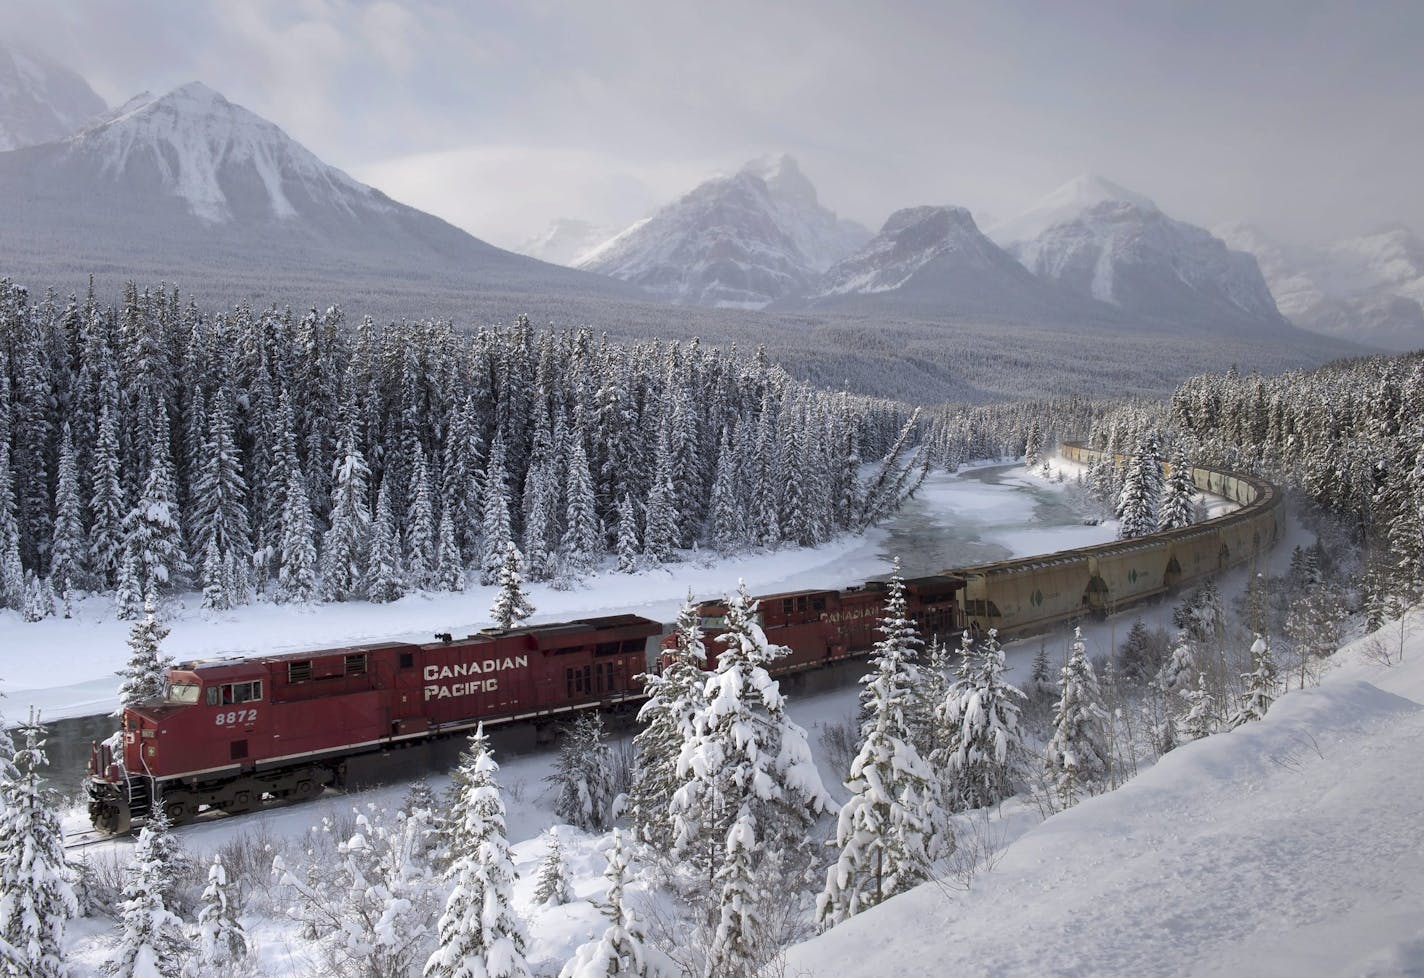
(114, 806)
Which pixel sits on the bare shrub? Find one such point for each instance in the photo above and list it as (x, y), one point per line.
(840, 742)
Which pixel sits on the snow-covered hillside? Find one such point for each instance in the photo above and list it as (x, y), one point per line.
(740, 241)
(40, 99)
(1287, 847)
(1115, 246)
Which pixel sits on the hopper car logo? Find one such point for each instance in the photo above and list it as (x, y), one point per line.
(437, 688)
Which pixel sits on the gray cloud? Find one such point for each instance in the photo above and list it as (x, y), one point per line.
(1303, 117)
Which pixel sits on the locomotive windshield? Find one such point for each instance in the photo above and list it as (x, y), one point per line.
(183, 693)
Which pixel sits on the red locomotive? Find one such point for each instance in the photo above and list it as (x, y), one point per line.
(233, 732)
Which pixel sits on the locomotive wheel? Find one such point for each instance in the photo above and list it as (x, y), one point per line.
(304, 789)
(179, 812)
(241, 801)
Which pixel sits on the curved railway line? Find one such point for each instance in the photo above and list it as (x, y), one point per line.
(234, 735)
(1027, 594)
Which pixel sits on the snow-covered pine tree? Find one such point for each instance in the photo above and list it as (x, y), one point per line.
(1040, 677)
(1179, 492)
(540, 543)
(215, 596)
(583, 537)
(222, 941)
(346, 546)
(497, 533)
(36, 879)
(449, 566)
(890, 830)
(68, 553)
(750, 790)
(1260, 683)
(128, 593)
(296, 573)
(1201, 718)
(725, 529)
(660, 517)
(511, 605)
(220, 499)
(621, 951)
(144, 678)
(554, 885)
(1141, 489)
(153, 528)
(420, 539)
(674, 696)
(151, 942)
(627, 545)
(385, 577)
(584, 774)
(981, 743)
(1033, 444)
(107, 505)
(12, 568)
(480, 935)
(1078, 759)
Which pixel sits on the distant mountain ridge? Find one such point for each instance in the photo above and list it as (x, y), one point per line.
(732, 242)
(1366, 289)
(40, 99)
(1109, 244)
(934, 260)
(196, 189)
(565, 241)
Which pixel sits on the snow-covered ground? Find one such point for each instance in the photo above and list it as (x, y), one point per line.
(1287, 847)
(65, 667)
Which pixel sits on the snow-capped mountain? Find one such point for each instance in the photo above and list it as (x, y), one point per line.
(40, 99)
(1368, 289)
(935, 260)
(198, 190)
(740, 241)
(1102, 241)
(1063, 205)
(566, 241)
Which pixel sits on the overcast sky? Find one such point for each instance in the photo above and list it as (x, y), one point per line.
(1306, 118)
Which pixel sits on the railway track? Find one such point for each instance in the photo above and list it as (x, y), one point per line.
(86, 838)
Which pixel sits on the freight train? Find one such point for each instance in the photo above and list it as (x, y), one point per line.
(234, 734)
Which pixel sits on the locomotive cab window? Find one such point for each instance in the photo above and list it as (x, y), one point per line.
(229, 693)
(606, 648)
(184, 693)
